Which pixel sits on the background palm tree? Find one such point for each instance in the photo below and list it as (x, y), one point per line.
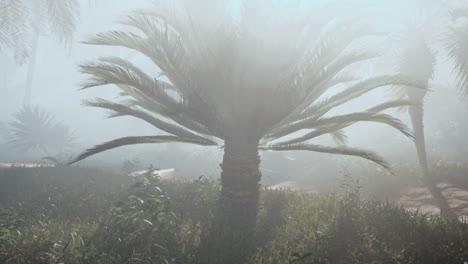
(33, 128)
(57, 18)
(247, 81)
(456, 44)
(14, 28)
(417, 61)
(23, 22)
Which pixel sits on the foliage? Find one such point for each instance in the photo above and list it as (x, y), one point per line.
(215, 87)
(450, 33)
(9, 221)
(456, 45)
(20, 18)
(60, 192)
(34, 128)
(347, 230)
(138, 225)
(292, 227)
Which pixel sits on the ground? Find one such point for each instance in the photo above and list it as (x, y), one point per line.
(419, 198)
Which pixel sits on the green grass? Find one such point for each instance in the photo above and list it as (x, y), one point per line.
(164, 222)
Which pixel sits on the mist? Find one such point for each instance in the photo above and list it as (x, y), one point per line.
(49, 65)
(57, 82)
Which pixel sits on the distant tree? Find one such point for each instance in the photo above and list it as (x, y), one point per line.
(456, 44)
(33, 128)
(417, 60)
(248, 82)
(14, 28)
(23, 21)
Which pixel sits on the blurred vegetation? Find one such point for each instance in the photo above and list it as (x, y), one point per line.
(81, 215)
(34, 128)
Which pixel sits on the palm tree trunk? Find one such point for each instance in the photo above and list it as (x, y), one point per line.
(417, 118)
(232, 232)
(32, 67)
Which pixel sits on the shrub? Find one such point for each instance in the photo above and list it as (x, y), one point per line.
(165, 222)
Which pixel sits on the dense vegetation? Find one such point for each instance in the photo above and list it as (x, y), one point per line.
(73, 215)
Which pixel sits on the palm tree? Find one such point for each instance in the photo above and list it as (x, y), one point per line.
(23, 22)
(14, 28)
(33, 128)
(456, 44)
(57, 18)
(417, 61)
(247, 81)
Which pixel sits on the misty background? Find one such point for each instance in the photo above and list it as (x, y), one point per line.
(56, 83)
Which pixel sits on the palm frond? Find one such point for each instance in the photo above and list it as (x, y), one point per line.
(398, 103)
(456, 44)
(361, 88)
(121, 110)
(136, 140)
(113, 70)
(150, 93)
(323, 78)
(339, 137)
(316, 121)
(332, 124)
(20, 18)
(333, 150)
(166, 52)
(363, 116)
(227, 80)
(158, 42)
(169, 19)
(327, 57)
(15, 30)
(119, 39)
(62, 17)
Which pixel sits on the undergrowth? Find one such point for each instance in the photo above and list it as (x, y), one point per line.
(150, 221)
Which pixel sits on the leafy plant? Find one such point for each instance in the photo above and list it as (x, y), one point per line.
(138, 224)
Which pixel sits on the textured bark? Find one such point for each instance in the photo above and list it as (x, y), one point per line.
(417, 115)
(232, 231)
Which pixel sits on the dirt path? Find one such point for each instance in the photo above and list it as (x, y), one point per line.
(420, 198)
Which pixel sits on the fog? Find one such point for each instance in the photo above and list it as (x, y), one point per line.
(57, 80)
(233, 131)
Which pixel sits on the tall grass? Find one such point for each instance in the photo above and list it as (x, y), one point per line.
(148, 221)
